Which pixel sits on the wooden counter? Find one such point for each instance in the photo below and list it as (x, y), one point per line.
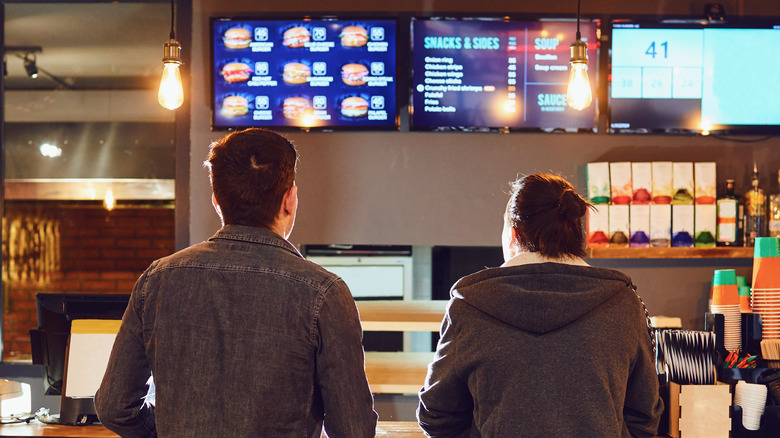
(394, 429)
(406, 316)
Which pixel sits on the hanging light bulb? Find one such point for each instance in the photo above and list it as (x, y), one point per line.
(171, 94)
(578, 95)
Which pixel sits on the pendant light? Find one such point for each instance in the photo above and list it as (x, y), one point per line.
(171, 94)
(578, 95)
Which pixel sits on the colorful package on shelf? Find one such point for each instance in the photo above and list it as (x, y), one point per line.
(704, 175)
(598, 226)
(598, 183)
(618, 225)
(682, 179)
(639, 220)
(620, 182)
(663, 189)
(641, 183)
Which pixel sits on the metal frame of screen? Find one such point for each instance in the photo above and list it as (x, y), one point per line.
(530, 100)
(685, 76)
(296, 105)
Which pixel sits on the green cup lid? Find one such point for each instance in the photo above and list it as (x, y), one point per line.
(741, 280)
(724, 277)
(744, 291)
(766, 247)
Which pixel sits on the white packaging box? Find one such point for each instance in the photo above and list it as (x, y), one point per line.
(639, 225)
(682, 225)
(598, 183)
(682, 180)
(618, 225)
(660, 225)
(598, 226)
(705, 221)
(663, 190)
(705, 180)
(641, 183)
(620, 182)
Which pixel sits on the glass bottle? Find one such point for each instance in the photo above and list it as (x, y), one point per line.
(728, 217)
(755, 211)
(774, 210)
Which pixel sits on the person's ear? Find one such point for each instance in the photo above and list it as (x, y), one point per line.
(216, 207)
(290, 201)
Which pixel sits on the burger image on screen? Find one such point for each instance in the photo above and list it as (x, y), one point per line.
(295, 107)
(234, 106)
(354, 74)
(296, 73)
(237, 38)
(354, 107)
(236, 72)
(296, 37)
(354, 36)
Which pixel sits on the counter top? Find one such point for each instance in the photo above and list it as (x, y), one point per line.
(385, 429)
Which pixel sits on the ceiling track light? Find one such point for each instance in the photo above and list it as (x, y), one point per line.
(30, 66)
(578, 95)
(171, 93)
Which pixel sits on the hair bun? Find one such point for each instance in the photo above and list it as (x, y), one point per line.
(571, 205)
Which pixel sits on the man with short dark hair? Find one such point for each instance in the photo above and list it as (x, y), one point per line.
(242, 335)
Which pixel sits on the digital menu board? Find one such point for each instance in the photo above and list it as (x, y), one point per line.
(324, 73)
(683, 76)
(481, 73)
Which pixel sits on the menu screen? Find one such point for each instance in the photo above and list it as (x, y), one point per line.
(484, 73)
(304, 73)
(690, 77)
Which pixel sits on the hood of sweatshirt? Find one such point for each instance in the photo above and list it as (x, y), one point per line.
(540, 297)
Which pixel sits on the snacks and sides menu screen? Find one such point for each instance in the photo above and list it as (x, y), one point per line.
(497, 74)
(307, 73)
(689, 78)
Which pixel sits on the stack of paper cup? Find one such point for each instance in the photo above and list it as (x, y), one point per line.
(765, 299)
(725, 300)
(752, 398)
(744, 294)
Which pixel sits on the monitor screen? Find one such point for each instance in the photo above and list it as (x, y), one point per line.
(476, 74)
(304, 73)
(690, 77)
(56, 312)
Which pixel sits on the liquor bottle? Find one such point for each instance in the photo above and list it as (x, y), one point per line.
(774, 210)
(728, 217)
(755, 211)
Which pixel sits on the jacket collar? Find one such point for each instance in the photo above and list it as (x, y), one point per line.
(527, 258)
(259, 235)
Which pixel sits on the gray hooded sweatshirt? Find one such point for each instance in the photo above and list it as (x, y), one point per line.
(542, 350)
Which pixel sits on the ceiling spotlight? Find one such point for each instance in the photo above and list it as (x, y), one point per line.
(29, 65)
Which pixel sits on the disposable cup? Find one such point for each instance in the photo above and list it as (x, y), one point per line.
(724, 277)
(741, 280)
(766, 247)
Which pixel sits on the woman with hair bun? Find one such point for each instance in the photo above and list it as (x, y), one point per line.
(544, 345)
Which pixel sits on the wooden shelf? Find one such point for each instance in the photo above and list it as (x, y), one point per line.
(407, 316)
(670, 253)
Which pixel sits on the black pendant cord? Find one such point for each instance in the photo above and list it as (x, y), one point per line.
(173, 33)
(578, 21)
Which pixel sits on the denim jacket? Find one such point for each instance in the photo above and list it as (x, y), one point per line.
(244, 338)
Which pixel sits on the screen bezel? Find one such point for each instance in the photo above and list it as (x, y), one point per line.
(683, 22)
(594, 70)
(399, 77)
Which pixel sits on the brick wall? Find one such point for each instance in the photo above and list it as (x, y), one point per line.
(74, 248)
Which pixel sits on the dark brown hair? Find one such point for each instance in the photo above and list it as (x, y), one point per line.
(547, 213)
(250, 171)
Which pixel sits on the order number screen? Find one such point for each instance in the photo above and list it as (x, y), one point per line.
(693, 79)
